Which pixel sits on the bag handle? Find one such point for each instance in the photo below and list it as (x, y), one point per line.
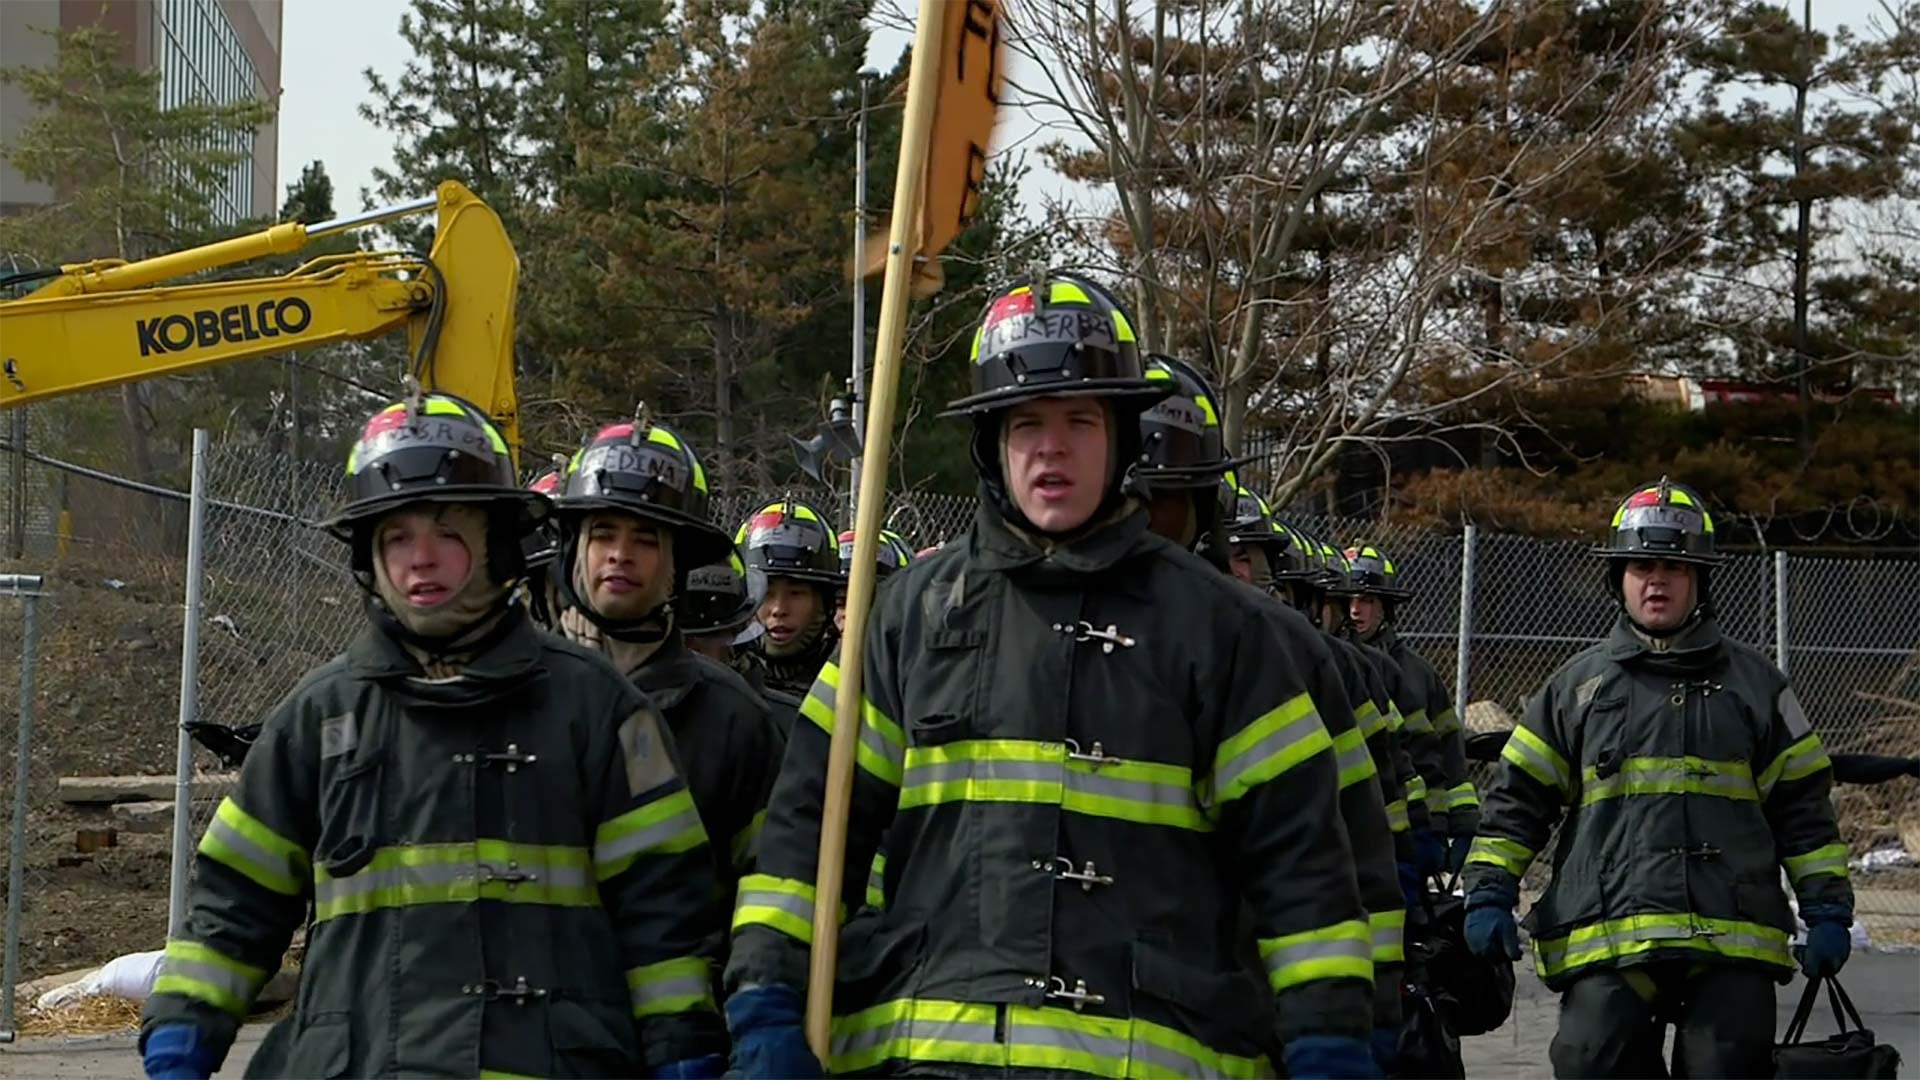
(1837, 997)
(1797, 1027)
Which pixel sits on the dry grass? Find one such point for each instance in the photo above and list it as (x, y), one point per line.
(96, 1014)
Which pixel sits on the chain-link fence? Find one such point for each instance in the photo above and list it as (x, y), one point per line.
(277, 600)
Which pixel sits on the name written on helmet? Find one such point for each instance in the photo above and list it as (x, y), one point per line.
(1068, 326)
(605, 466)
(402, 431)
(1179, 412)
(232, 325)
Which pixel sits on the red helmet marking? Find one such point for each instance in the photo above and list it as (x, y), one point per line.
(1009, 306)
(384, 422)
(1649, 497)
(615, 431)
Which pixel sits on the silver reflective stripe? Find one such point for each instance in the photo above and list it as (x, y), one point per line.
(260, 857)
(1140, 791)
(1318, 950)
(1385, 937)
(1167, 1062)
(1623, 782)
(1831, 863)
(935, 772)
(1354, 760)
(685, 986)
(1297, 730)
(225, 979)
(829, 695)
(1545, 765)
(908, 1028)
(415, 875)
(652, 836)
(1054, 1038)
(798, 906)
(1416, 722)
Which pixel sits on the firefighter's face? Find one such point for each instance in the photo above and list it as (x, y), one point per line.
(1333, 613)
(627, 561)
(1056, 460)
(1241, 558)
(788, 611)
(1366, 613)
(840, 612)
(425, 554)
(1660, 595)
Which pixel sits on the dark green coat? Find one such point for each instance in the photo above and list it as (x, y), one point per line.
(1411, 782)
(1686, 779)
(728, 745)
(506, 869)
(1437, 740)
(1111, 709)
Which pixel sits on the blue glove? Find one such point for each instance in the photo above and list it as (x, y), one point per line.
(1328, 1057)
(1829, 940)
(1429, 852)
(1386, 1049)
(1490, 930)
(711, 1067)
(177, 1052)
(769, 1037)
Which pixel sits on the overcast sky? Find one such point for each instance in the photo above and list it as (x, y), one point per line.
(327, 43)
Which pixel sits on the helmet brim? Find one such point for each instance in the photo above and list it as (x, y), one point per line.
(1692, 558)
(1188, 477)
(695, 542)
(1143, 392)
(531, 507)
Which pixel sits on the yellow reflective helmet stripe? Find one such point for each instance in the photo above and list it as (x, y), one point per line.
(1063, 292)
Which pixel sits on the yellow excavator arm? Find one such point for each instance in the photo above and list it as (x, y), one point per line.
(108, 322)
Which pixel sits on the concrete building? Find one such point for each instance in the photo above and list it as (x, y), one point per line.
(214, 50)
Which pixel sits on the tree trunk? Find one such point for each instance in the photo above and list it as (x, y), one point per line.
(1802, 247)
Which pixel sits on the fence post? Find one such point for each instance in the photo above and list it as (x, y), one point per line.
(1469, 544)
(1780, 610)
(27, 588)
(189, 690)
(17, 517)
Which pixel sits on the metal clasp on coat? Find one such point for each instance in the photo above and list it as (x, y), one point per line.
(1062, 869)
(512, 875)
(1108, 638)
(491, 989)
(1097, 757)
(511, 757)
(1079, 995)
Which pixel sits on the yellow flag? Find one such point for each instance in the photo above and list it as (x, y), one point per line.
(972, 72)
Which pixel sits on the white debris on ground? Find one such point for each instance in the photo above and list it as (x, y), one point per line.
(130, 976)
(1883, 858)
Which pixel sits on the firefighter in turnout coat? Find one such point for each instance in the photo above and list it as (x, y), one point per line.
(1084, 762)
(1687, 777)
(504, 868)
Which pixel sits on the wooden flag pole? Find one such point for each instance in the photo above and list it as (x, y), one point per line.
(923, 89)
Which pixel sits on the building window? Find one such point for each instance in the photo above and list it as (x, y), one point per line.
(201, 58)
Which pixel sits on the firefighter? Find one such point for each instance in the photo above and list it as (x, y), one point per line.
(634, 506)
(1085, 761)
(537, 551)
(716, 608)
(1435, 736)
(795, 546)
(892, 552)
(505, 870)
(1183, 466)
(1325, 589)
(1695, 779)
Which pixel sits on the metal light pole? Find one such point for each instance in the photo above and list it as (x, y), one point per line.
(859, 289)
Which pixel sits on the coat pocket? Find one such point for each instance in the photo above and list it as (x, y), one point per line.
(324, 1046)
(592, 1038)
(1228, 1010)
(942, 688)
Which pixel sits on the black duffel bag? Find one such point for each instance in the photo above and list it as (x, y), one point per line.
(1850, 1053)
(1474, 994)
